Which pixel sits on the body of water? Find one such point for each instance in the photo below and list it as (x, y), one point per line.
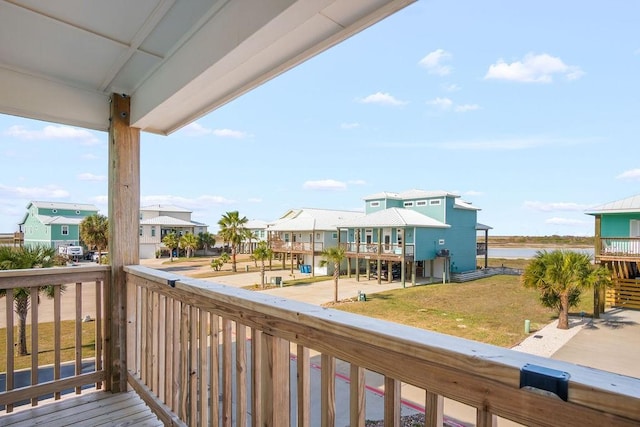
(514, 253)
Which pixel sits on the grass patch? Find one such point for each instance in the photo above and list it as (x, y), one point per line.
(45, 344)
(490, 310)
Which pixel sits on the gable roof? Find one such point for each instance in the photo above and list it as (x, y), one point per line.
(169, 220)
(394, 217)
(308, 219)
(410, 194)
(164, 208)
(628, 205)
(63, 205)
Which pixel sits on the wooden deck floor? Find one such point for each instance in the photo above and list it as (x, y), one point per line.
(92, 408)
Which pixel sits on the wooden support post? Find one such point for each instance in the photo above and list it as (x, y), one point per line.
(403, 262)
(124, 221)
(433, 410)
(392, 406)
(357, 396)
(275, 383)
(413, 272)
(328, 391)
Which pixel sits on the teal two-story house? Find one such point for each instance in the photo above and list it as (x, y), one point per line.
(617, 246)
(415, 234)
(54, 224)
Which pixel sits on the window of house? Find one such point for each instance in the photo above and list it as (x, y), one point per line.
(408, 204)
(434, 202)
(153, 231)
(140, 230)
(374, 204)
(421, 203)
(634, 228)
(334, 235)
(317, 236)
(65, 230)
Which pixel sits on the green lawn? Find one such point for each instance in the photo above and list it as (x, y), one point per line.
(491, 310)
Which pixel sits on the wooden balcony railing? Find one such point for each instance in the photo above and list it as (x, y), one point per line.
(196, 351)
(279, 246)
(372, 248)
(621, 247)
(69, 303)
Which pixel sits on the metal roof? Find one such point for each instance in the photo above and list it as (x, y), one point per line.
(62, 205)
(163, 208)
(310, 219)
(177, 59)
(169, 220)
(410, 194)
(58, 219)
(394, 217)
(628, 205)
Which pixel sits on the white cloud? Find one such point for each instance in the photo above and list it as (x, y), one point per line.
(447, 104)
(53, 132)
(91, 177)
(434, 62)
(352, 125)
(34, 193)
(382, 99)
(567, 221)
(450, 87)
(230, 133)
(466, 107)
(554, 206)
(325, 184)
(533, 69)
(631, 174)
(196, 129)
(442, 103)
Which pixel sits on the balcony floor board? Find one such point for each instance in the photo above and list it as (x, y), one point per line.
(95, 408)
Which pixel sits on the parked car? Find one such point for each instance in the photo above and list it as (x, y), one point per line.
(98, 257)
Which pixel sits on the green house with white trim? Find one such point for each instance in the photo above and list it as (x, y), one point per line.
(54, 224)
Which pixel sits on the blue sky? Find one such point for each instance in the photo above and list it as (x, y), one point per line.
(528, 110)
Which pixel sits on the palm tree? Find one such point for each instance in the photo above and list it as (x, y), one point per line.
(206, 240)
(21, 258)
(232, 232)
(250, 236)
(171, 241)
(262, 252)
(189, 243)
(333, 255)
(94, 232)
(560, 276)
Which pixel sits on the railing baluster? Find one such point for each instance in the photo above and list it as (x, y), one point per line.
(194, 370)
(485, 418)
(144, 328)
(34, 340)
(98, 330)
(57, 331)
(276, 399)
(227, 367)
(202, 369)
(304, 386)
(391, 402)
(433, 410)
(177, 357)
(328, 391)
(78, 321)
(183, 383)
(11, 351)
(155, 338)
(161, 361)
(256, 378)
(241, 375)
(168, 360)
(214, 369)
(357, 402)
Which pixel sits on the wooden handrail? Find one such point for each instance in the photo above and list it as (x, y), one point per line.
(483, 376)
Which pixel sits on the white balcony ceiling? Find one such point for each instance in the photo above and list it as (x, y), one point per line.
(177, 59)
